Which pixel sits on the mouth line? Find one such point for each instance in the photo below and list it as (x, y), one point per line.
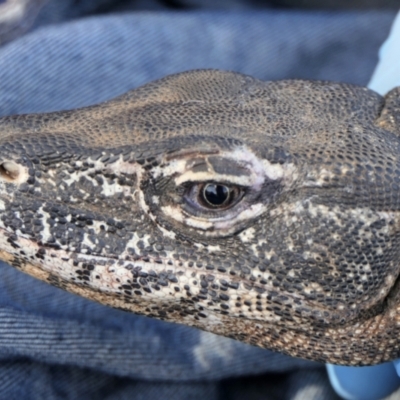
(313, 314)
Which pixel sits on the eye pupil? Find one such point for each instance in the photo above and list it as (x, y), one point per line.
(216, 195)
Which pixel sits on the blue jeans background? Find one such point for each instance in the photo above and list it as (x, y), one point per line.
(55, 345)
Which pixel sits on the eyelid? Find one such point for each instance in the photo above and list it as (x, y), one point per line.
(217, 182)
(208, 177)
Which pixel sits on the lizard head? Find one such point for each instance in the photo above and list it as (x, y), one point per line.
(268, 212)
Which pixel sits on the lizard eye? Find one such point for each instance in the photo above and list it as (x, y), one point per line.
(215, 196)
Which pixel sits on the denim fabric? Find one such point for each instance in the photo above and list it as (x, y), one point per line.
(55, 345)
(91, 60)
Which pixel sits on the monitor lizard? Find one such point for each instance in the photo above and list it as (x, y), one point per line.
(268, 212)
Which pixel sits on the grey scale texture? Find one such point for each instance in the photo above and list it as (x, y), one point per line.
(106, 202)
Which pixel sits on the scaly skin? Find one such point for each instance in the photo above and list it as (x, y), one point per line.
(110, 202)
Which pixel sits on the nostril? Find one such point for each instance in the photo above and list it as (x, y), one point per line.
(9, 170)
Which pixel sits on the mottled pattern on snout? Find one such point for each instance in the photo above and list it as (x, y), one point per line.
(303, 257)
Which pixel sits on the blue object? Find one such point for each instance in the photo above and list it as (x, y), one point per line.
(397, 366)
(364, 383)
(387, 73)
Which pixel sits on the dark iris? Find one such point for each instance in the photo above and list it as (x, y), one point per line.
(216, 195)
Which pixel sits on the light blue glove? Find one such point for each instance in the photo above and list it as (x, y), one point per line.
(374, 383)
(364, 383)
(387, 73)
